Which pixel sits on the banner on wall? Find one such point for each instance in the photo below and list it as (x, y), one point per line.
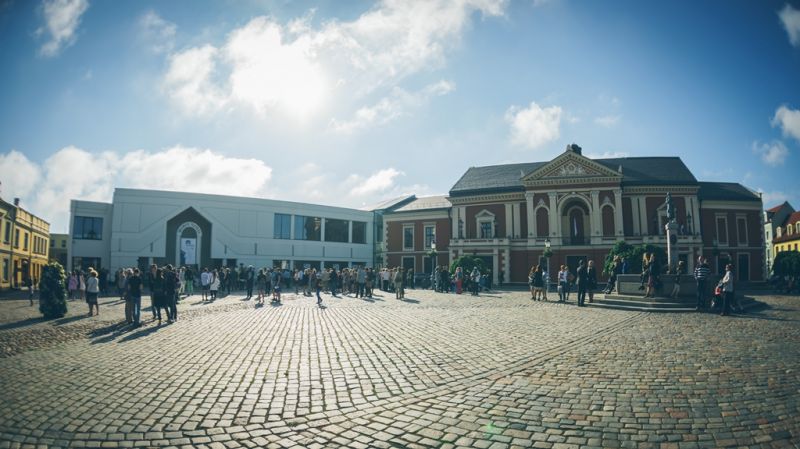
(188, 251)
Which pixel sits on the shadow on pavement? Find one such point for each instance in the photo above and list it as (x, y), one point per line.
(23, 323)
(140, 333)
(410, 300)
(71, 319)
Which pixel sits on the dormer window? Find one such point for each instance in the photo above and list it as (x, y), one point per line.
(778, 231)
(789, 230)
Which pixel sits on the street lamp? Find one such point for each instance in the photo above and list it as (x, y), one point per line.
(548, 253)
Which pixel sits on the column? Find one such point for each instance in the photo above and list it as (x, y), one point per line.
(619, 225)
(555, 225)
(645, 223)
(350, 232)
(509, 221)
(495, 266)
(637, 230)
(531, 222)
(696, 216)
(462, 214)
(322, 231)
(595, 228)
(291, 225)
(517, 221)
(507, 265)
(455, 217)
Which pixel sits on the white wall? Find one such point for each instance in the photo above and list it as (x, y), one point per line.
(90, 248)
(135, 225)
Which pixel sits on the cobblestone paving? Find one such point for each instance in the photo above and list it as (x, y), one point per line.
(498, 371)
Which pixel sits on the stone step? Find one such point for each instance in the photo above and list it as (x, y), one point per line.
(658, 299)
(645, 305)
(641, 302)
(637, 308)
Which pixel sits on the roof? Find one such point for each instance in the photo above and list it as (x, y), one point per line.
(635, 171)
(495, 178)
(388, 204)
(425, 203)
(726, 191)
(779, 207)
(794, 218)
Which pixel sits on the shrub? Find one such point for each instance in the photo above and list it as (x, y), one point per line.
(634, 256)
(467, 263)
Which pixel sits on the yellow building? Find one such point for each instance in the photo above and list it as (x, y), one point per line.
(24, 245)
(787, 235)
(58, 248)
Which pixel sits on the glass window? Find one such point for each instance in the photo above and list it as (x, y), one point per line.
(722, 230)
(337, 230)
(52, 243)
(430, 236)
(7, 237)
(16, 238)
(5, 269)
(307, 228)
(87, 228)
(283, 223)
(64, 243)
(359, 232)
(25, 241)
(408, 237)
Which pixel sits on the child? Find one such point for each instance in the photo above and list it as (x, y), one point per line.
(276, 293)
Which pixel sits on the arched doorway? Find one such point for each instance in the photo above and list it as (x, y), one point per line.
(575, 222)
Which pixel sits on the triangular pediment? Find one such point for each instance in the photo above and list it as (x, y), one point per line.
(571, 165)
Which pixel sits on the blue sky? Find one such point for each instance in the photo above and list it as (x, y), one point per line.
(347, 103)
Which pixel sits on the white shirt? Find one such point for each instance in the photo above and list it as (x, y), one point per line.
(205, 278)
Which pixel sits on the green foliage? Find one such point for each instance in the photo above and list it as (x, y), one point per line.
(634, 256)
(547, 253)
(53, 291)
(467, 263)
(787, 263)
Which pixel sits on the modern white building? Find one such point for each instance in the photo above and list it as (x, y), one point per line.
(140, 227)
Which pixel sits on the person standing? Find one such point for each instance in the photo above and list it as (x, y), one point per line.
(158, 295)
(676, 288)
(250, 280)
(205, 281)
(727, 290)
(134, 297)
(701, 273)
(332, 281)
(151, 285)
(563, 284)
(127, 297)
(213, 287)
(261, 282)
(317, 280)
(582, 282)
(170, 286)
(591, 275)
(459, 280)
(92, 290)
(361, 281)
(398, 283)
(188, 278)
(475, 277)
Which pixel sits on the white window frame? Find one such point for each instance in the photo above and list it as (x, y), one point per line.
(425, 228)
(408, 248)
(484, 216)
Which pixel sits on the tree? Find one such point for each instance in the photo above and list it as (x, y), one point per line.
(53, 291)
(467, 263)
(787, 263)
(634, 256)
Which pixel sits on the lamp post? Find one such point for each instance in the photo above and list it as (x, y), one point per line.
(548, 253)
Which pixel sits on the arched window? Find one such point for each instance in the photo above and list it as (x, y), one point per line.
(608, 221)
(542, 222)
(789, 230)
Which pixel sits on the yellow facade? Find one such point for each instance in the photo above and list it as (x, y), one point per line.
(787, 237)
(24, 246)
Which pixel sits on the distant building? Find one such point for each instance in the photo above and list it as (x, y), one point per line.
(787, 234)
(508, 214)
(141, 227)
(23, 247)
(774, 217)
(58, 248)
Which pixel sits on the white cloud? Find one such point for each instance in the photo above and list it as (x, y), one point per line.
(390, 108)
(190, 81)
(789, 121)
(74, 173)
(790, 18)
(297, 68)
(772, 199)
(607, 155)
(534, 126)
(62, 18)
(607, 121)
(773, 153)
(158, 33)
(19, 175)
(379, 182)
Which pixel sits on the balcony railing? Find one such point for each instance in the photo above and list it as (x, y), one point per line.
(575, 241)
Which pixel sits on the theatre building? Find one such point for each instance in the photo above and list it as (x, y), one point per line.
(579, 207)
(141, 227)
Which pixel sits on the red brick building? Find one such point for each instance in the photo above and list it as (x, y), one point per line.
(508, 214)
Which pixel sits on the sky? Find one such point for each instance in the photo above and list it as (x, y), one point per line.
(348, 103)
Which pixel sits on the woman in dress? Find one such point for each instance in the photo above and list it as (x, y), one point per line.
(261, 281)
(459, 280)
(72, 284)
(214, 286)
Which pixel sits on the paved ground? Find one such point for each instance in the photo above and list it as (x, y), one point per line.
(498, 371)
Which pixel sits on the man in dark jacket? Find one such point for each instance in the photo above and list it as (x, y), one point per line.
(170, 283)
(582, 281)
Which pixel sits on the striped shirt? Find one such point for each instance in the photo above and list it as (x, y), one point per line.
(701, 272)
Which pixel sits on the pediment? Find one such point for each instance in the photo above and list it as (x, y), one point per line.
(570, 165)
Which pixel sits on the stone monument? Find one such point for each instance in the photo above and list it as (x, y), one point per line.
(671, 229)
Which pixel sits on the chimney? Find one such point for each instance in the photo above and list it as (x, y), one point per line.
(16, 202)
(574, 148)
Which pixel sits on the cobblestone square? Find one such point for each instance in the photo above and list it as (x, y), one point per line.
(435, 370)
